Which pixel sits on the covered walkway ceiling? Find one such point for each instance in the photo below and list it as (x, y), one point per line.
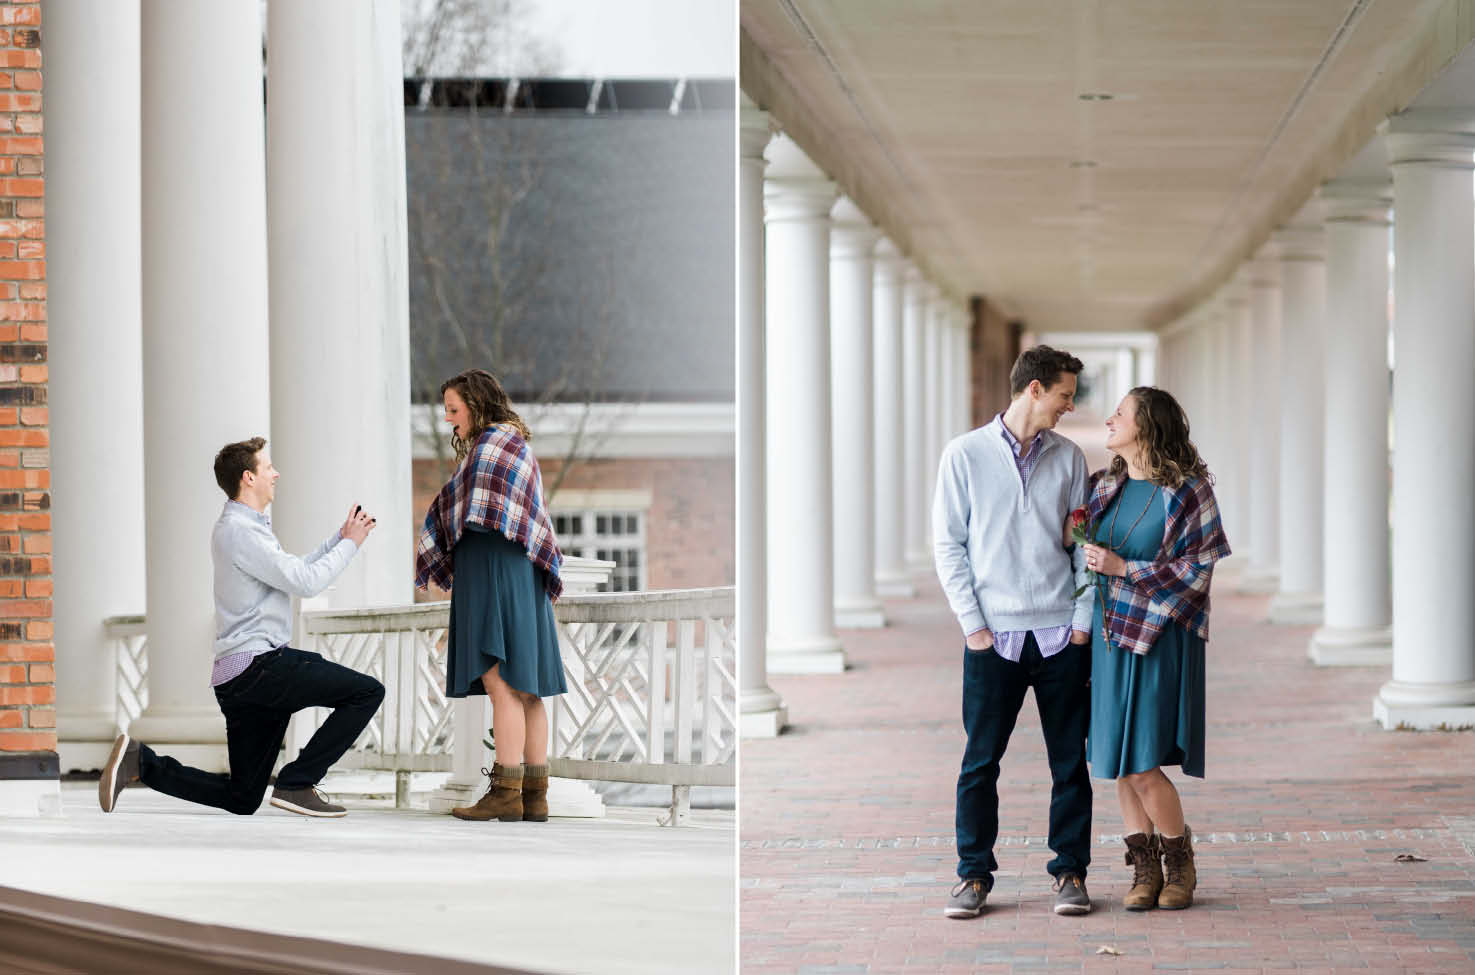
(1089, 164)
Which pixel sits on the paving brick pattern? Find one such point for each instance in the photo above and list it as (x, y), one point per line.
(847, 824)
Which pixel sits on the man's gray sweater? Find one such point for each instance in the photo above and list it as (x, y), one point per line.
(999, 548)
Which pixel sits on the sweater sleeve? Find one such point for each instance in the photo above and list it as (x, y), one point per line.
(950, 514)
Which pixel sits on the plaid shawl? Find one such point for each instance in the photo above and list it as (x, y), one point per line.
(499, 487)
(1173, 588)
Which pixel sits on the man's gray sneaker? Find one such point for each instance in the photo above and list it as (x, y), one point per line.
(1071, 896)
(121, 768)
(306, 802)
(966, 899)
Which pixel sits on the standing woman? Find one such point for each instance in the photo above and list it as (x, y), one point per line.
(1157, 532)
(488, 529)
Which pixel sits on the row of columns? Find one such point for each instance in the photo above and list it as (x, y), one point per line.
(1287, 365)
(166, 345)
(863, 364)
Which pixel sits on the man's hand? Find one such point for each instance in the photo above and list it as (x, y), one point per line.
(358, 526)
(981, 639)
(1080, 637)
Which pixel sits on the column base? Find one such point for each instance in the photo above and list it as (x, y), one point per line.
(860, 615)
(817, 655)
(84, 756)
(1401, 705)
(1296, 608)
(1258, 580)
(1361, 646)
(567, 798)
(896, 588)
(197, 726)
(763, 724)
(29, 785)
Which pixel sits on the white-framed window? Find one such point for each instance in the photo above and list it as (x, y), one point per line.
(605, 525)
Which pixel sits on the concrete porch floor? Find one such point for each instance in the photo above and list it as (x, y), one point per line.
(614, 895)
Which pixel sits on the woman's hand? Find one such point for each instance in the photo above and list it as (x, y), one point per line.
(1104, 561)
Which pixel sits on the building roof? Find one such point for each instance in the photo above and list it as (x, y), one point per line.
(577, 249)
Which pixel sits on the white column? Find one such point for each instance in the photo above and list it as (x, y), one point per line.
(964, 360)
(1262, 575)
(1359, 611)
(1234, 472)
(852, 402)
(1302, 419)
(95, 353)
(205, 373)
(935, 391)
(1433, 681)
(763, 712)
(892, 577)
(340, 333)
(801, 586)
(916, 504)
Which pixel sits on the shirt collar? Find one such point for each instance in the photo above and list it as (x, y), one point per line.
(1013, 441)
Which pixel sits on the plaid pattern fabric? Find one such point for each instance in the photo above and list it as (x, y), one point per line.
(499, 487)
(1174, 587)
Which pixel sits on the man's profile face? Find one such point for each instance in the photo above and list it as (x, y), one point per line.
(1053, 402)
(262, 481)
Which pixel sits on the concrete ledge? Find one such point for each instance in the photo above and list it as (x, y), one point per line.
(1352, 647)
(860, 618)
(807, 662)
(30, 785)
(43, 933)
(1405, 718)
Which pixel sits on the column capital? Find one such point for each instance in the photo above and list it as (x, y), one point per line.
(888, 258)
(794, 188)
(1442, 138)
(755, 130)
(852, 235)
(1346, 201)
(1300, 241)
(1264, 267)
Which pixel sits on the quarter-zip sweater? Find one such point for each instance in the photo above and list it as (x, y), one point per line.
(997, 545)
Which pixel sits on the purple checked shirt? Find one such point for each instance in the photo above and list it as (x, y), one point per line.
(1051, 641)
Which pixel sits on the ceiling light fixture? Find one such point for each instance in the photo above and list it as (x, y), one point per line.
(1083, 164)
(1095, 96)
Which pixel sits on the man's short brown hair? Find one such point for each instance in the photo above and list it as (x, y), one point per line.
(1043, 363)
(232, 463)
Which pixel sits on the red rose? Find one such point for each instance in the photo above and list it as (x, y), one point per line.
(1078, 518)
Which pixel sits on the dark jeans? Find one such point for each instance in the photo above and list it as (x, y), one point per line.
(257, 704)
(993, 692)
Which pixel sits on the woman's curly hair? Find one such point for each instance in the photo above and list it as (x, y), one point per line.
(488, 405)
(1167, 455)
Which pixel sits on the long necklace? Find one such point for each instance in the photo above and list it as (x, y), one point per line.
(1111, 545)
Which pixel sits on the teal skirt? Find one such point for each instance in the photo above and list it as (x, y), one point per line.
(1148, 710)
(500, 614)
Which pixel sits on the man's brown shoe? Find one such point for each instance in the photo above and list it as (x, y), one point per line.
(121, 768)
(503, 800)
(1144, 856)
(535, 793)
(1180, 875)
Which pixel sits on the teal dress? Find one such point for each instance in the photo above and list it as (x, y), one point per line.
(1146, 710)
(500, 614)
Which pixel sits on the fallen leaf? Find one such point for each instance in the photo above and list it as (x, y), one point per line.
(1108, 950)
(1410, 858)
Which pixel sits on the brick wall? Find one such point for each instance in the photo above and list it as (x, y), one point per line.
(691, 528)
(993, 345)
(27, 657)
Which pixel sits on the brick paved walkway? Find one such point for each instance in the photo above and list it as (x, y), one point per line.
(847, 824)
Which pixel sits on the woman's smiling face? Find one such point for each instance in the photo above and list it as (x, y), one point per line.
(457, 415)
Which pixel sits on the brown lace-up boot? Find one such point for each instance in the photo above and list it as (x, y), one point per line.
(535, 793)
(1144, 856)
(1180, 875)
(503, 799)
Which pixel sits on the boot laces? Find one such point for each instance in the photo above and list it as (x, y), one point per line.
(1141, 860)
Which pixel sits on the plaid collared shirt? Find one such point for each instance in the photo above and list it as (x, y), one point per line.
(1174, 587)
(1051, 641)
(499, 487)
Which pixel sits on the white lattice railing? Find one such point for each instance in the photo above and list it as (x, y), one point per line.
(128, 642)
(652, 686)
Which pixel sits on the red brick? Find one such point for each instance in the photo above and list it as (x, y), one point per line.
(9, 415)
(43, 673)
(27, 15)
(30, 741)
(40, 630)
(17, 102)
(34, 416)
(19, 59)
(11, 718)
(28, 694)
(28, 80)
(31, 250)
(41, 566)
(34, 291)
(39, 588)
(22, 608)
(24, 438)
(41, 717)
(28, 209)
(24, 479)
(12, 674)
(22, 311)
(27, 651)
(33, 374)
(33, 333)
(9, 458)
(35, 523)
(22, 270)
(12, 589)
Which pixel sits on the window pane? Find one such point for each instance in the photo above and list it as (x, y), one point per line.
(601, 524)
(630, 525)
(578, 526)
